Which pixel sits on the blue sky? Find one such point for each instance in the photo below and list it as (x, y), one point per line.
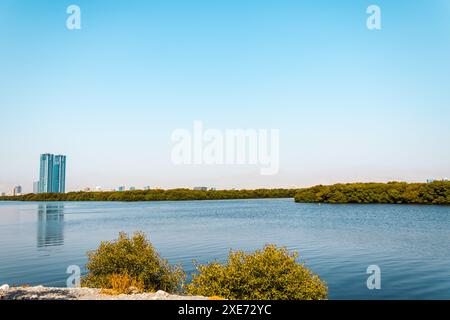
(351, 104)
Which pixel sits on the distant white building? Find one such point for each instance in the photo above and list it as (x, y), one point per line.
(132, 188)
(36, 187)
(201, 188)
(121, 188)
(17, 191)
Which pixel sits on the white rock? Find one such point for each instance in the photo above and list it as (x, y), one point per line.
(4, 287)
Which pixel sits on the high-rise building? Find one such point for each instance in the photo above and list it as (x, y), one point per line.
(59, 174)
(17, 190)
(45, 173)
(52, 176)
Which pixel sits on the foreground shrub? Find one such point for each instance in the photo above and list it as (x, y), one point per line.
(123, 284)
(269, 274)
(131, 262)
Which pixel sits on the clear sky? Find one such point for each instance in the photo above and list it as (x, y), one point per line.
(351, 104)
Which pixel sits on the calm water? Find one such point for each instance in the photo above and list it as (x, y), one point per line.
(411, 244)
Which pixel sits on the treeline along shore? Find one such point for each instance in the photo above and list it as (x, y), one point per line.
(437, 192)
(393, 192)
(157, 195)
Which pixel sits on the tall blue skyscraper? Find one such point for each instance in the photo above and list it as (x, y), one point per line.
(59, 174)
(45, 175)
(52, 176)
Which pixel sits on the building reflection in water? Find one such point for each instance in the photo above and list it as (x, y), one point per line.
(50, 225)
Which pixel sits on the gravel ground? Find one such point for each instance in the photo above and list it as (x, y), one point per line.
(44, 293)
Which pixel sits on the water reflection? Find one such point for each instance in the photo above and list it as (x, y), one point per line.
(50, 225)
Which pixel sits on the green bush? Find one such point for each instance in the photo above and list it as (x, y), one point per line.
(437, 193)
(135, 258)
(269, 274)
(156, 195)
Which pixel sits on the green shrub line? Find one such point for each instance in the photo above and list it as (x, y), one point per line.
(156, 195)
(436, 193)
(131, 264)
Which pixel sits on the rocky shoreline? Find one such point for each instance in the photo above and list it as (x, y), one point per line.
(48, 293)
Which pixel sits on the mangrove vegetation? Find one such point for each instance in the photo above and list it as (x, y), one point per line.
(156, 195)
(437, 192)
(131, 264)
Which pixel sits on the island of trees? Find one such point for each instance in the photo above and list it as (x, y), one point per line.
(437, 192)
(393, 192)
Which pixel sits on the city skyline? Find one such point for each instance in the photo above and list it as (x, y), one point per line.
(56, 165)
(350, 104)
